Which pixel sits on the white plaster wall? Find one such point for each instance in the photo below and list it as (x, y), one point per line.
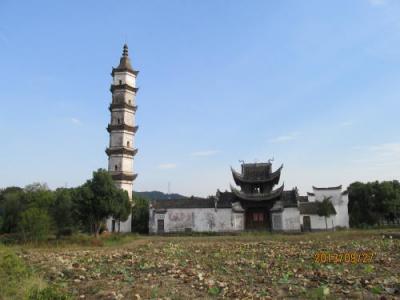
(238, 221)
(115, 115)
(114, 160)
(197, 219)
(125, 227)
(339, 201)
(318, 223)
(335, 195)
(123, 162)
(116, 139)
(120, 138)
(277, 224)
(125, 77)
(342, 212)
(152, 220)
(126, 186)
(291, 219)
(125, 117)
(129, 117)
(127, 164)
(128, 96)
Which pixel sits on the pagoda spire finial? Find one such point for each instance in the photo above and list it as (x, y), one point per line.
(125, 51)
(124, 63)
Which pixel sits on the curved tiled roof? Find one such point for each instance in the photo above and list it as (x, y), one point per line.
(124, 63)
(308, 208)
(192, 202)
(339, 187)
(272, 177)
(311, 208)
(258, 197)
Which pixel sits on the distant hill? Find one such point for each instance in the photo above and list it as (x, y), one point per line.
(156, 195)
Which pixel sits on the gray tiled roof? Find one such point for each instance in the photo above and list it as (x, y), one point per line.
(308, 208)
(192, 202)
(289, 198)
(339, 187)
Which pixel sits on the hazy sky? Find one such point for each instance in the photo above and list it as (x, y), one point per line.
(314, 84)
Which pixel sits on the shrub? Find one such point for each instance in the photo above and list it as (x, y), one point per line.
(140, 215)
(34, 224)
(13, 272)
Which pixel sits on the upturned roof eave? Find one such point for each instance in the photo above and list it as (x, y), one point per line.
(258, 197)
(273, 177)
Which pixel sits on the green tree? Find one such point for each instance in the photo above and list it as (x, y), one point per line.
(388, 197)
(95, 200)
(140, 215)
(372, 202)
(122, 207)
(326, 209)
(34, 224)
(361, 204)
(62, 212)
(39, 195)
(11, 206)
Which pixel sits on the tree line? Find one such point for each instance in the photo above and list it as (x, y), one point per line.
(374, 203)
(35, 212)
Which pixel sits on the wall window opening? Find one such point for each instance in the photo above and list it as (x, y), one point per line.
(120, 82)
(116, 168)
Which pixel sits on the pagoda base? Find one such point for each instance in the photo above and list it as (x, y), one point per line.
(124, 227)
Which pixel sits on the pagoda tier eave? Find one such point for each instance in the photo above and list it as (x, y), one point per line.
(273, 177)
(122, 70)
(121, 151)
(124, 176)
(258, 197)
(116, 87)
(125, 127)
(122, 106)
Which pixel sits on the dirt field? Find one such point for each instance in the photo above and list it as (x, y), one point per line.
(251, 266)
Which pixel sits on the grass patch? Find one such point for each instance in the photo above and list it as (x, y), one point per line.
(83, 240)
(20, 282)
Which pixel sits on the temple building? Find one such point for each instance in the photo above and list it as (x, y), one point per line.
(255, 204)
(309, 209)
(122, 130)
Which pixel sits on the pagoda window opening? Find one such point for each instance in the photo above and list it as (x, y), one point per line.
(128, 144)
(119, 121)
(116, 168)
(129, 101)
(120, 82)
